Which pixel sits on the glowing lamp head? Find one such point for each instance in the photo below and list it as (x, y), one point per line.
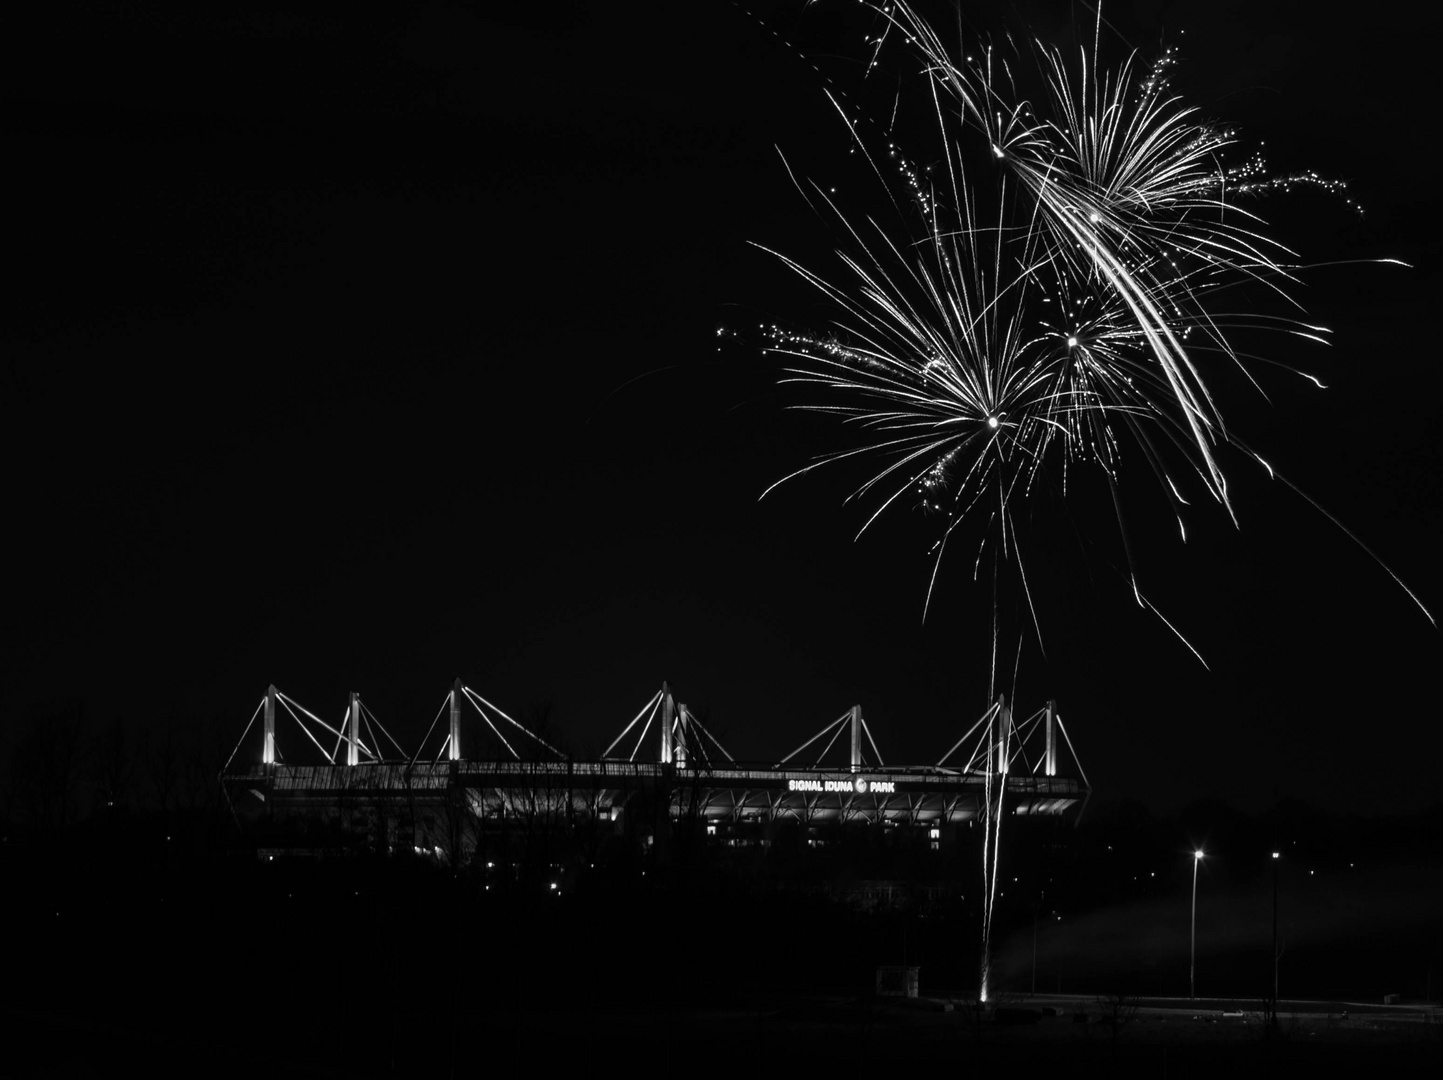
(992, 422)
(1072, 343)
(1197, 854)
(1094, 217)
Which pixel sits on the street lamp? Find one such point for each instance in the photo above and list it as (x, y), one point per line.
(1192, 953)
(1276, 856)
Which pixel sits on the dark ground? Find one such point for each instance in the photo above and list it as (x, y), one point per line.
(388, 968)
(586, 1032)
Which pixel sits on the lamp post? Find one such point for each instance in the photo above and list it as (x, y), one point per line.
(1276, 856)
(1192, 952)
(1036, 911)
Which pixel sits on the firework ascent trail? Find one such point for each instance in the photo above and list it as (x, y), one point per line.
(1042, 295)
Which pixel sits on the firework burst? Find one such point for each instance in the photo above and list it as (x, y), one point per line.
(1045, 293)
(1045, 296)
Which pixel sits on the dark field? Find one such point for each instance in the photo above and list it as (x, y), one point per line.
(706, 1035)
(354, 968)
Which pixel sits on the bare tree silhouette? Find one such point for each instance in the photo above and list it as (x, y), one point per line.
(46, 768)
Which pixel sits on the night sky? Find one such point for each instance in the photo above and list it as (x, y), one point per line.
(354, 353)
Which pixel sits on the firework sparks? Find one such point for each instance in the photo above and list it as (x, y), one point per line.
(1045, 296)
(1046, 301)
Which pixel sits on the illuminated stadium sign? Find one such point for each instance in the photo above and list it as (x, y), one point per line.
(860, 785)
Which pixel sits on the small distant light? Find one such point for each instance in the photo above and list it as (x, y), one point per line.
(553, 884)
(992, 422)
(1094, 217)
(1072, 343)
(1277, 855)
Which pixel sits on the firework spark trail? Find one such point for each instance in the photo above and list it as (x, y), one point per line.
(999, 741)
(988, 877)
